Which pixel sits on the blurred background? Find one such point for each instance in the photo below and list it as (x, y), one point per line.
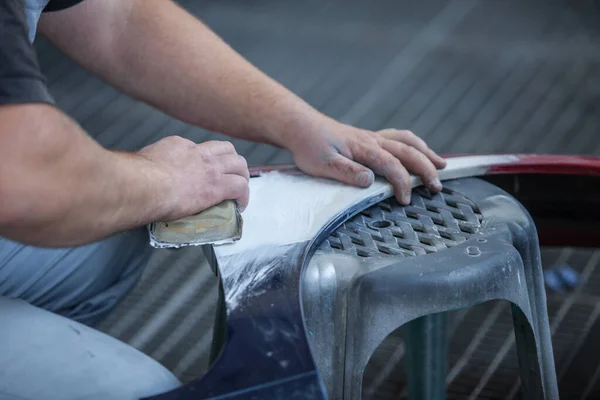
(468, 76)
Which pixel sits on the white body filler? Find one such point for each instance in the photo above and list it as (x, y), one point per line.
(287, 208)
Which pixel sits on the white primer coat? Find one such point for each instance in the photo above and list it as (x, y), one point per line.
(287, 208)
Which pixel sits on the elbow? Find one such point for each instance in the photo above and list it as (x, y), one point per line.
(11, 210)
(18, 222)
(34, 140)
(26, 164)
(24, 197)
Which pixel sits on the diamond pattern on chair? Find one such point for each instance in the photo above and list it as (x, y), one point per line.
(432, 222)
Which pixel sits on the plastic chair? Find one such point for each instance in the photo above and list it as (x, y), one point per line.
(394, 266)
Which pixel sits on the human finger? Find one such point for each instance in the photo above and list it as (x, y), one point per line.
(233, 164)
(385, 164)
(415, 162)
(235, 187)
(413, 140)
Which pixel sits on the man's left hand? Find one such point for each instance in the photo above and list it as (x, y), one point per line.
(353, 155)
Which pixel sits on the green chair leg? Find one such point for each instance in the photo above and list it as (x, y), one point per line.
(426, 360)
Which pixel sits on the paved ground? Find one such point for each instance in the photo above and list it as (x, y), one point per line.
(470, 76)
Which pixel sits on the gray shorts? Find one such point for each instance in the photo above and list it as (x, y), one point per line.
(49, 298)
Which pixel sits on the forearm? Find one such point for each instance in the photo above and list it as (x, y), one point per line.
(151, 56)
(204, 81)
(59, 188)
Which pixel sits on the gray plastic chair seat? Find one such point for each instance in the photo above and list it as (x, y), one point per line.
(394, 266)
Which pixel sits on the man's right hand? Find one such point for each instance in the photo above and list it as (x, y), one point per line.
(201, 175)
(59, 188)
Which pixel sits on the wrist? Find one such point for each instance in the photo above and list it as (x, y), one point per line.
(302, 127)
(154, 184)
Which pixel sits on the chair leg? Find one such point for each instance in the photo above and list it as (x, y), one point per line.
(219, 328)
(531, 378)
(426, 360)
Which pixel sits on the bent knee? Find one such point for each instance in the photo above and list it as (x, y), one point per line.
(48, 356)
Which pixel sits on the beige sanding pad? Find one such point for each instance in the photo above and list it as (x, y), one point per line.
(219, 224)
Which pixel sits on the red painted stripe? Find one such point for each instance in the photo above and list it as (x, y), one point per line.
(550, 164)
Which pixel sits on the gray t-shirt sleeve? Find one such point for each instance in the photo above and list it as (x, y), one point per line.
(21, 80)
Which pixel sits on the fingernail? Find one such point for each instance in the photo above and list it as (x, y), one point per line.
(365, 178)
(435, 185)
(406, 197)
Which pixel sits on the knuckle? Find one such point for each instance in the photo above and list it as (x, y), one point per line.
(242, 162)
(425, 162)
(225, 146)
(208, 147)
(400, 149)
(204, 148)
(202, 153)
(431, 168)
(373, 155)
(390, 160)
(238, 184)
(388, 133)
(345, 168)
(172, 138)
(220, 146)
(241, 188)
(350, 167)
(375, 150)
(405, 134)
(179, 140)
(372, 140)
(358, 148)
(415, 153)
(421, 142)
(212, 143)
(229, 147)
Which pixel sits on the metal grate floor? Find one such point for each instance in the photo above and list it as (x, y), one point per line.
(469, 76)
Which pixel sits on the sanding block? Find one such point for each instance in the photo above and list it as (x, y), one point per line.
(220, 224)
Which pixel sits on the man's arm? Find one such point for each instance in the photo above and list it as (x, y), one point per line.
(157, 52)
(59, 188)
